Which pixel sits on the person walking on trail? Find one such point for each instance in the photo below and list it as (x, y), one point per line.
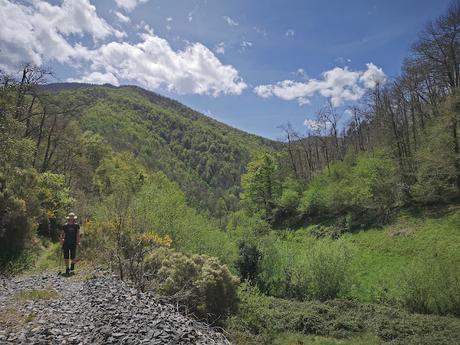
(70, 239)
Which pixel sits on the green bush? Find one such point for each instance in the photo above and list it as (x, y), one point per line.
(437, 162)
(55, 201)
(301, 267)
(322, 231)
(19, 207)
(201, 282)
(328, 270)
(432, 285)
(363, 189)
(248, 263)
(15, 227)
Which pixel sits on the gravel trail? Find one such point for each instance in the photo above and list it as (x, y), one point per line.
(102, 310)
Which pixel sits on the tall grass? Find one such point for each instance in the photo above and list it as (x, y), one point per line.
(306, 269)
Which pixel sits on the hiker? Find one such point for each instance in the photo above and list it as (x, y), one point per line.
(70, 238)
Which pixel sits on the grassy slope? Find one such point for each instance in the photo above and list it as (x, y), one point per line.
(382, 255)
(205, 157)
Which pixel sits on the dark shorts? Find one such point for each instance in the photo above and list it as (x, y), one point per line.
(70, 251)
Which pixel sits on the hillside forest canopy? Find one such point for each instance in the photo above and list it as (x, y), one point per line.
(343, 231)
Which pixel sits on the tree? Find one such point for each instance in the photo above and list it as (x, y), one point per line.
(438, 160)
(261, 185)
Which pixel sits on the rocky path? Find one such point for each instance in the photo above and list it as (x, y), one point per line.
(96, 311)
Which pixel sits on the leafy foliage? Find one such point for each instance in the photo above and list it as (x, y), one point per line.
(200, 282)
(303, 268)
(204, 157)
(365, 187)
(437, 161)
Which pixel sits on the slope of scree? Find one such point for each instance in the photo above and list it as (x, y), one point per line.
(101, 310)
(205, 157)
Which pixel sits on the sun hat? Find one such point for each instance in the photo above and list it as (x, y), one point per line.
(71, 214)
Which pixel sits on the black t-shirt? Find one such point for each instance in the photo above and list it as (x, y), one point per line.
(70, 233)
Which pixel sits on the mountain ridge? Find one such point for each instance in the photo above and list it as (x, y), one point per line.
(204, 156)
(155, 97)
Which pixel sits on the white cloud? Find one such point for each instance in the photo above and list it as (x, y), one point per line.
(121, 17)
(191, 14)
(246, 44)
(303, 101)
(38, 33)
(313, 124)
(168, 25)
(318, 126)
(129, 5)
(338, 84)
(220, 48)
(348, 112)
(29, 32)
(230, 21)
(372, 76)
(97, 78)
(289, 33)
(301, 73)
(154, 64)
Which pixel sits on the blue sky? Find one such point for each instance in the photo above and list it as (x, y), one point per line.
(252, 64)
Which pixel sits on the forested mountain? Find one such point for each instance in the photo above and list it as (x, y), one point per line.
(205, 157)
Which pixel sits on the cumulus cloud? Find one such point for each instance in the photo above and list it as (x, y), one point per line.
(372, 76)
(30, 32)
(129, 5)
(338, 84)
(313, 124)
(97, 78)
(38, 33)
(230, 21)
(317, 126)
(121, 17)
(154, 64)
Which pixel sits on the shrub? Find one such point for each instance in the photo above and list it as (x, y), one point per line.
(204, 285)
(329, 270)
(364, 186)
(303, 268)
(248, 263)
(55, 200)
(323, 231)
(266, 317)
(15, 227)
(437, 162)
(432, 285)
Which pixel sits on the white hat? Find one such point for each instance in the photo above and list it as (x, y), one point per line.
(71, 215)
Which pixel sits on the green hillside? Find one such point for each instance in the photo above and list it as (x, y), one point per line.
(205, 157)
